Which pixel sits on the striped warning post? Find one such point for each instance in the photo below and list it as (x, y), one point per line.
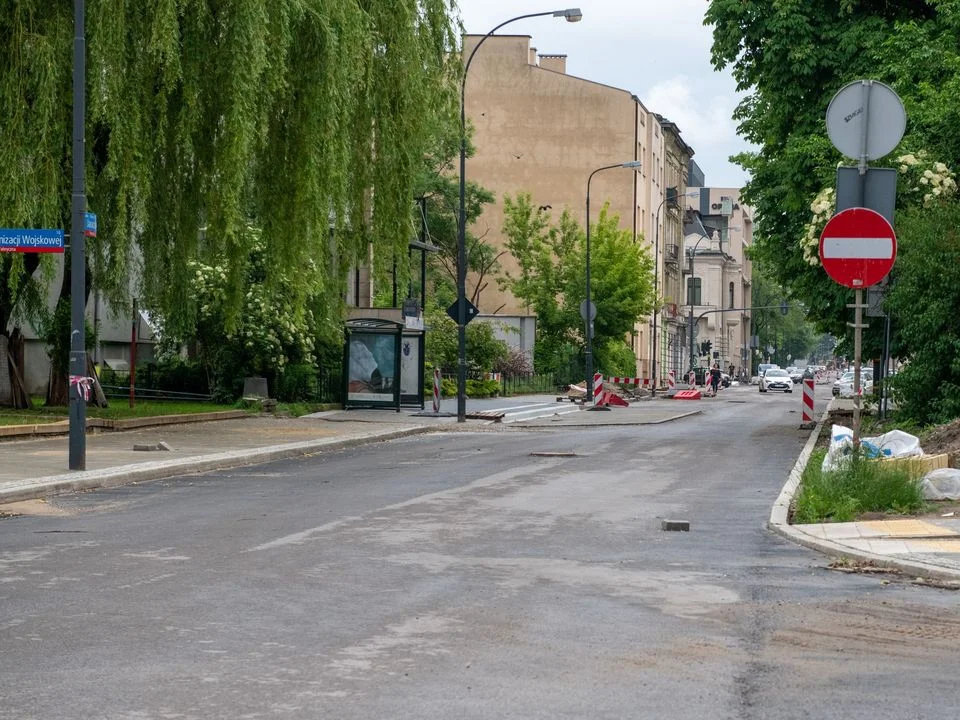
(436, 390)
(807, 401)
(671, 380)
(692, 380)
(597, 385)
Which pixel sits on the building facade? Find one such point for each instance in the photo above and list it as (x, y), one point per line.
(719, 229)
(542, 131)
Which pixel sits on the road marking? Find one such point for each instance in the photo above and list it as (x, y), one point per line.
(298, 538)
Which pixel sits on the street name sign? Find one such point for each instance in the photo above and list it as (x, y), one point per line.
(90, 224)
(858, 248)
(31, 241)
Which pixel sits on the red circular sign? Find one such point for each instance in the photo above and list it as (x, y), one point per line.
(858, 247)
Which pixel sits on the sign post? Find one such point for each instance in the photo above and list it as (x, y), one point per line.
(865, 121)
(857, 249)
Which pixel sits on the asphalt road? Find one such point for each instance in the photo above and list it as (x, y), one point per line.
(458, 575)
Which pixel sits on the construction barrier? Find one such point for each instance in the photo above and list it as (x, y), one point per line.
(672, 380)
(692, 380)
(597, 385)
(436, 390)
(635, 381)
(807, 401)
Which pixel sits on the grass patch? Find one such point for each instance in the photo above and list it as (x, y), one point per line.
(860, 486)
(118, 410)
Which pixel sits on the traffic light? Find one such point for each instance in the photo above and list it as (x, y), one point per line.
(705, 347)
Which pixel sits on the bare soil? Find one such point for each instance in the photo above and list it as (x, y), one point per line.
(943, 439)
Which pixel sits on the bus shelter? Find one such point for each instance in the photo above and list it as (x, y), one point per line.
(383, 364)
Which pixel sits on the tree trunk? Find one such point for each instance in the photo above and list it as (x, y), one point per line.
(6, 384)
(58, 389)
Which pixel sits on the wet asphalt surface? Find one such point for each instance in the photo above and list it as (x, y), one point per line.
(455, 575)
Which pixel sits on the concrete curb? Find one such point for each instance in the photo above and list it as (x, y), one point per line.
(145, 472)
(63, 427)
(778, 523)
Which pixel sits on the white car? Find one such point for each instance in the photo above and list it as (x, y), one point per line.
(776, 379)
(843, 386)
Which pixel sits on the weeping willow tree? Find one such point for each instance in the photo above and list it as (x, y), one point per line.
(205, 115)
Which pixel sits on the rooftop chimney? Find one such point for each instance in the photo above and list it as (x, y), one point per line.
(557, 63)
(533, 56)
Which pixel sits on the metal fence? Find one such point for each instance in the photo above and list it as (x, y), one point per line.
(525, 384)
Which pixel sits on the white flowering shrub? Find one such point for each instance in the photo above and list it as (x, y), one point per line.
(920, 182)
(822, 209)
(268, 335)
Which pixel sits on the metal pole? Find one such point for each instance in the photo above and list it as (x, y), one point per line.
(656, 307)
(462, 224)
(857, 337)
(78, 354)
(133, 356)
(885, 372)
(690, 303)
(588, 400)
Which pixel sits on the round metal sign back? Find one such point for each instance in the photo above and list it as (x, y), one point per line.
(875, 103)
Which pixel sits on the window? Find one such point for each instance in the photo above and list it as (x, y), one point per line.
(732, 293)
(693, 291)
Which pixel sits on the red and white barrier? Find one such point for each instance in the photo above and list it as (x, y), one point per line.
(671, 380)
(644, 382)
(597, 385)
(692, 380)
(436, 390)
(807, 400)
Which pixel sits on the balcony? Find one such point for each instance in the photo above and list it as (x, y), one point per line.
(671, 254)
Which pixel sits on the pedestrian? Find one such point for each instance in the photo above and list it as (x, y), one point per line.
(715, 375)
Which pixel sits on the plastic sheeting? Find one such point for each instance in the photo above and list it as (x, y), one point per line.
(893, 444)
(941, 484)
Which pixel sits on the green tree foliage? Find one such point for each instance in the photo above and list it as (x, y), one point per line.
(551, 282)
(790, 58)
(928, 386)
(203, 114)
(789, 334)
(484, 349)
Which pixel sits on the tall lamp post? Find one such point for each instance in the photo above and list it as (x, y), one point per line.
(78, 295)
(588, 319)
(571, 15)
(654, 380)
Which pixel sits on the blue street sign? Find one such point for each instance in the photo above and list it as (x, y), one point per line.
(90, 224)
(30, 241)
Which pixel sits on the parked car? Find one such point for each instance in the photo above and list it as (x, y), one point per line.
(776, 379)
(843, 386)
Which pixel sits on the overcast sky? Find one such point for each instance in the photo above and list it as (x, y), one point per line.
(657, 49)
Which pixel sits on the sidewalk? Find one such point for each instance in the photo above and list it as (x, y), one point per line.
(920, 547)
(36, 468)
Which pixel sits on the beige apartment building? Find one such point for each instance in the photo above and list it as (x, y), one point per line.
(718, 277)
(540, 130)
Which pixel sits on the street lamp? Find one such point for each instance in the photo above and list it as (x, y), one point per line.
(588, 319)
(78, 266)
(690, 291)
(570, 15)
(654, 380)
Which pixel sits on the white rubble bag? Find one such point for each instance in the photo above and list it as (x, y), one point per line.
(941, 484)
(893, 444)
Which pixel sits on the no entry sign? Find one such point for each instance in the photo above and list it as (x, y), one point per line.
(858, 247)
